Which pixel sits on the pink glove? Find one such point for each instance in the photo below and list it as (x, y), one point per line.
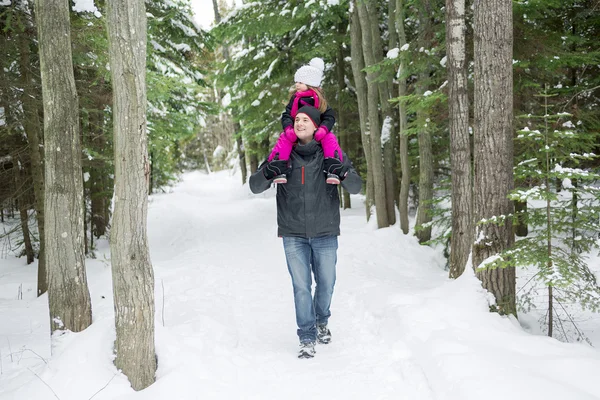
(320, 133)
(290, 134)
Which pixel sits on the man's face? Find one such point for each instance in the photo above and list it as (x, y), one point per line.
(304, 128)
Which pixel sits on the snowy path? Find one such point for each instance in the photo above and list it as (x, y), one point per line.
(400, 329)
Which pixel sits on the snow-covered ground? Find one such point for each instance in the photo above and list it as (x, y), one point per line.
(225, 324)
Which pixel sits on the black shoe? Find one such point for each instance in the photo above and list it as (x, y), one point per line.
(333, 179)
(323, 334)
(280, 179)
(307, 350)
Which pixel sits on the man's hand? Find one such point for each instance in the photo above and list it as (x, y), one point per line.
(276, 168)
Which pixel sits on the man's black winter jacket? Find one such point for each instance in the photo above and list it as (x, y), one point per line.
(306, 205)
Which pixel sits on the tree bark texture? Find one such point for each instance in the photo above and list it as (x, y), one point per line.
(21, 198)
(493, 144)
(341, 114)
(133, 277)
(358, 64)
(374, 127)
(100, 183)
(425, 176)
(424, 136)
(68, 295)
(460, 146)
(387, 144)
(33, 131)
(404, 161)
(521, 228)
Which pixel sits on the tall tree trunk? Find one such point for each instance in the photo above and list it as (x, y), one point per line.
(68, 294)
(374, 127)
(404, 162)
(460, 146)
(493, 146)
(341, 120)
(358, 64)
(387, 127)
(236, 126)
(133, 277)
(241, 152)
(33, 130)
(425, 170)
(99, 198)
(424, 136)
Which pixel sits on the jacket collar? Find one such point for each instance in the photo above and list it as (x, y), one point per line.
(307, 149)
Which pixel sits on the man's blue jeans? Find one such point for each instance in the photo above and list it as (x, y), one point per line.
(318, 255)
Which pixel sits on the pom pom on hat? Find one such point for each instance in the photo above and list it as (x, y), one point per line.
(311, 74)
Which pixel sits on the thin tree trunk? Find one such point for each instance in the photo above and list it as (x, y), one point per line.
(236, 126)
(358, 64)
(424, 136)
(68, 295)
(343, 133)
(424, 216)
(393, 43)
(21, 197)
(460, 146)
(404, 162)
(33, 130)
(387, 137)
(100, 207)
(494, 145)
(253, 161)
(133, 277)
(374, 127)
(521, 228)
(241, 153)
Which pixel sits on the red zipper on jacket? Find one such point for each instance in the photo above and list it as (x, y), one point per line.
(303, 175)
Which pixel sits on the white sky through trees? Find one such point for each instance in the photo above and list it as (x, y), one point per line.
(204, 13)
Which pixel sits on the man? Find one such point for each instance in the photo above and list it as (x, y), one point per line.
(308, 219)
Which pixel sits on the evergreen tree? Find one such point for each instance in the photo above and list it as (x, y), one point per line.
(269, 40)
(563, 214)
(177, 49)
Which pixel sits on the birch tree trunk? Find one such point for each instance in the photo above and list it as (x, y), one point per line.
(493, 145)
(360, 84)
(68, 295)
(374, 127)
(404, 162)
(133, 277)
(460, 147)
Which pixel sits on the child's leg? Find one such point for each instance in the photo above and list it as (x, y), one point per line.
(331, 146)
(283, 147)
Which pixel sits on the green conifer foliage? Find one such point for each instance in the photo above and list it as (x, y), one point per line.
(424, 58)
(177, 50)
(563, 213)
(556, 53)
(269, 41)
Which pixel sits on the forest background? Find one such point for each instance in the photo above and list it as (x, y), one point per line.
(476, 119)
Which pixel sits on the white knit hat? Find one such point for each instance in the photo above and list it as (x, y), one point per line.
(311, 74)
